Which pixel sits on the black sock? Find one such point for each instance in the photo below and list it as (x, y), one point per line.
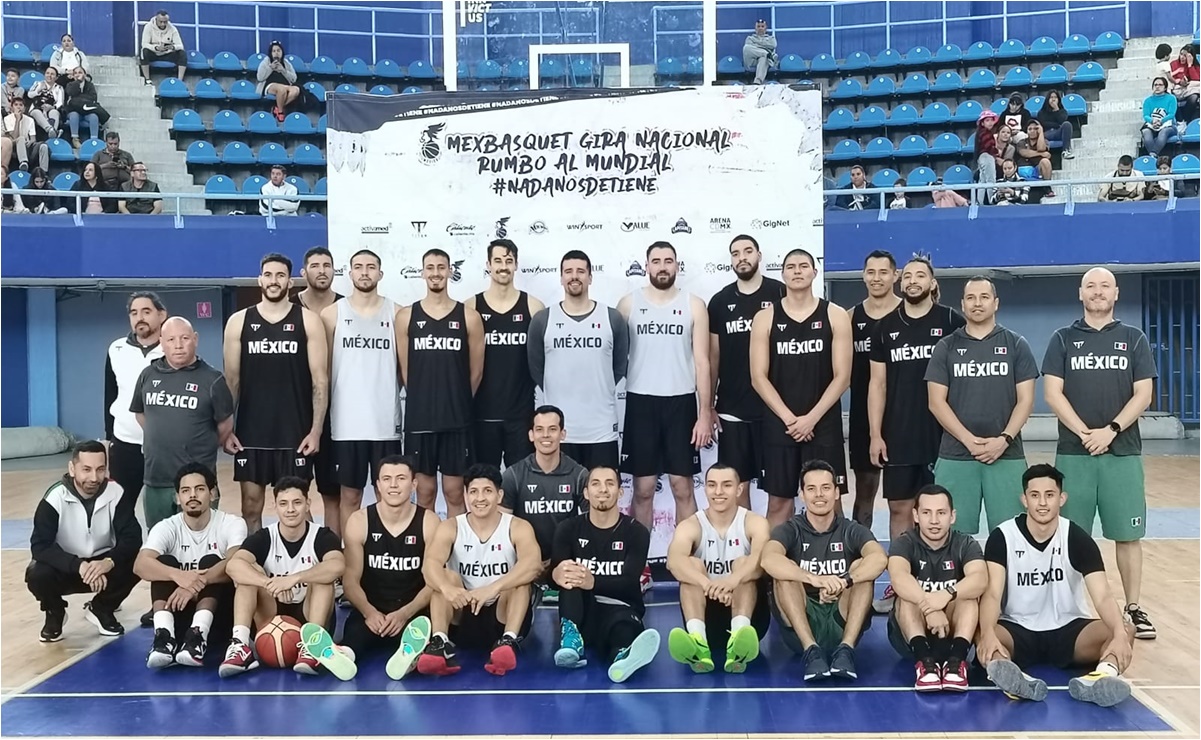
(920, 647)
(940, 647)
(959, 648)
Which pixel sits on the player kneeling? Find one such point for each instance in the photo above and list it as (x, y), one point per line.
(288, 568)
(479, 568)
(715, 556)
(184, 559)
(938, 574)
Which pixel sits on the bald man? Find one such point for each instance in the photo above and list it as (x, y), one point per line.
(186, 411)
(1099, 375)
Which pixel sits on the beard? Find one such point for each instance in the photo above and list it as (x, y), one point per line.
(913, 300)
(604, 506)
(575, 290)
(274, 297)
(663, 280)
(745, 272)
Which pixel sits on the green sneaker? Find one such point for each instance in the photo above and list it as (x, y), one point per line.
(412, 642)
(550, 596)
(321, 646)
(742, 648)
(690, 650)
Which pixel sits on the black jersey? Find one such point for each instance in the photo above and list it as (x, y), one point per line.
(615, 556)
(275, 388)
(862, 329)
(507, 389)
(337, 297)
(801, 367)
(392, 563)
(730, 314)
(904, 344)
(438, 387)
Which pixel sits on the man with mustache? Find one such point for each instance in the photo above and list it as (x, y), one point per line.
(505, 401)
(275, 364)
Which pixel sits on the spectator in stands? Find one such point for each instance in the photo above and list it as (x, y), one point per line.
(1056, 125)
(20, 136)
(1033, 152)
(82, 104)
(1159, 117)
(987, 156)
(1005, 147)
(947, 198)
(161, 42)
(759, 52)
(1163, 60)
(856, 202)
(11, 88)
(8, 203)
(89, 182)
(899, 200)
(1118, 192)
(114, 162)
(66, 58)
(1160, 189)
(277, 77)
(46, 101)
(1012, 195)
(1016, 117)
(279, 188)
(139, 184)
(39, 196)
(1186, 83)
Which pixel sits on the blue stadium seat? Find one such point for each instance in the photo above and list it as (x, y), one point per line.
(244, 90)
(856, 61)
(187, 121)
(872, 116)
(220, 185)
(462, 69)
(346, 87)
(15, 51)
(981, 51)
(840, 119)
(969, 146)
(307, 155)
(298, 64)
(263, 124)
(88, 149)
(903, 116)
(1017, 77)
(981, 79)
(489, 87)
(967, 112)
(918, 56)
(29, 78)
(1034, 104)
(915, 85)
(1089, 72)
(1109, 41)
(948, 54)
(999, 105)
(1043, 46)
(1011, 49)
(1052, 74)
(253, 185)
(488, 69)
(518, 86)
(302, 186)
(921, 177)
(390, 70)
(1145, 165)
(1192, 132)
(551, 69)
(18, 179)
(254, 60)
(879, 148)
(912, 146)
(848, 89)
(316, 90)
(381, 90)
(322, 123)
(1075, 46)
(201, 152)
(823, 64)
(887, 59)
(793, 63)
(273, 153)
(519, 69)
(298, 124)
(47, 52)
(947, 82)
(957, 175)
(1185, 164)
(198, 61)
(582, 71)
(844, 181)
(885, 178)
(65, 180)
(61, 151)
(173, 88)
(321, 188)
(729, 65)
(670, 67)
(881, 87)
(847, 149)
(694, 67)
(946, 143)
(237, 152)
(419, 69)
(411, 90)
(935, 114)
(355, 67)
(228, 122)
(227, 61)
(323, 66)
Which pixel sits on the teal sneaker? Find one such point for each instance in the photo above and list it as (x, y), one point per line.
(640, 653)
(571, 648)
(416, 636)
(321, 646)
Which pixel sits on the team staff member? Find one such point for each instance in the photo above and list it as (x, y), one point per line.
(980, 381)
(318, 273)
(800, 367)
(739, 409)
(505, 400)
(1099, 380)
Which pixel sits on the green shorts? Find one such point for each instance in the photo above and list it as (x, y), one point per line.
(159, 504)
(1109, 485)
(997, 486)
(825, 621)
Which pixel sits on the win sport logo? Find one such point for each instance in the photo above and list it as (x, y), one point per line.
(431, 148)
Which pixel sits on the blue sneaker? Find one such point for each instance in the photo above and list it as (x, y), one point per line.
(571, 648)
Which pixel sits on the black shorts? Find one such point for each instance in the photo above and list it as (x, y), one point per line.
(782, 466)
(325, 466)
(902, 481)
(1056, 647)
(509, 439)
(449, 453)
(607, 629)
(296, 611)
(739, 445)
(658, 436)
(718, 616)
(265, 467)
(360, 639)
(481, 631)
(357, 460)
(592, 454)
(859, 439)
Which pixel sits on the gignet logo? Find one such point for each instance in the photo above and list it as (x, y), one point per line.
(715, 267)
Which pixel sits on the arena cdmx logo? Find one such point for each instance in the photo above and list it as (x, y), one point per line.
(431, 148)
(719, 225)
(635, 270)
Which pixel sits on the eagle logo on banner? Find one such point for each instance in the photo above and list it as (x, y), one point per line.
(431, 148)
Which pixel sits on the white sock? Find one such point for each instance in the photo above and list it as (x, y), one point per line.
(442, 635)
(203, 620)
(1109, 669)
(739, 622)
(242, 634)
(164, 619)
(512, 635)
(696, 627)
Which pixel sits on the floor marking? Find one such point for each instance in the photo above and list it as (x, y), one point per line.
(1156, 707)
(62, 666)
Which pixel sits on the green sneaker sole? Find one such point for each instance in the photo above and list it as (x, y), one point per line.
(321, 646)
(414, 639)
(641, 652)
(742, 648)
(684, 649)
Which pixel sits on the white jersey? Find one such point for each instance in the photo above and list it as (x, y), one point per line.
(717, 551)
(480, 563)
(173, 537)
(282, 563)
(661, 362)
(364, 379)
(1042, 590)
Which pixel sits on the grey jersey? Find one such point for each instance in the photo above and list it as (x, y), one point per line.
(364, 380)
(661, 361)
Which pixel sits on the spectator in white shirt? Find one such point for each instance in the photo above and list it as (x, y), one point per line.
(20, 136)
(66, 57)
(161, 42)
(279, 188)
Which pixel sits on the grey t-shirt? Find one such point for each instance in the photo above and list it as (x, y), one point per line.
(829, 553)
(182, 409)
(545, 499)
(981, 377)
(1099, 369)
(936, 569)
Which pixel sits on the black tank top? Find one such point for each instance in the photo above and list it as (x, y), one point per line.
(327, 442)
(337, 297)
(275, 387)
(438, 389)
(507, 389)
(392, 564)
(862, 328)
(801, 368)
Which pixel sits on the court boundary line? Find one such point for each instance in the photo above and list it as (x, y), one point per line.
(1157, 707)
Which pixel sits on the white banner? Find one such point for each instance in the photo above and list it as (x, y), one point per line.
(605, 171)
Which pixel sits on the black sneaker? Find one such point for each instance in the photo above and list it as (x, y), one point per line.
(162, 654)
(52, 629)
(438, 658)
(105, 621)
(1143, 629)
(842, 661)
(191, 653)
(147, 619)
(816, 667)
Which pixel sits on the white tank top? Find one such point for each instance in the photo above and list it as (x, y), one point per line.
(173, 537)
(282, 563)
(661, 361)
(364, 380)
(1042, 590)
(717, 551)
(480, 563)
(578, 373)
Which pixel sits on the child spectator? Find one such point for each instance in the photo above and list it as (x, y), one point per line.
(46, 100)
(1118, 191)
(1159, 116)
(1009, 196)
(1186, 81)
(66, 58)
(1160, 189)
(11, 88)
(1163, 60)
(986, 149)
(1054, 119)
(898, 199)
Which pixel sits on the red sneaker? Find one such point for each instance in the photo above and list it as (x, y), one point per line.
(239, 658)
(928, 678)
(645, 582)
(438, 658)
(503, 658)
(954, 676)
(305, 662)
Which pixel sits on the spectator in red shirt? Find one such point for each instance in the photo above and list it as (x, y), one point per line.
(1186, 83)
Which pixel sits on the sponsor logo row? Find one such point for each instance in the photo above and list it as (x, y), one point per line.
(505, 228)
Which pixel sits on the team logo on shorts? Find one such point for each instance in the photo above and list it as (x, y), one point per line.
(1136, 521)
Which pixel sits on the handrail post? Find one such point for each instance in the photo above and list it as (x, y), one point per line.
(1069, 208)
(77, 217)
(178, 215)
(973, 208)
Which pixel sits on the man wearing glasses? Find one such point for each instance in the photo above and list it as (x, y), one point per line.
(142, 202)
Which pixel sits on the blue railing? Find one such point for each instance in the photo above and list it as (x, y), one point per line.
(1171, 319)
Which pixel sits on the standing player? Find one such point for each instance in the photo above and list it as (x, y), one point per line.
(184, 559)
(318, 273)
(1099, 380)
(739, 409)
(800, 367)
(479, 566)
(364, 377)
(715, 556)
(668, 412)
(598, 560)
(880, 277)
(981, 386)
(441, 345)
(385, 549)
(275, 365)
(505, 401)
(579, 350)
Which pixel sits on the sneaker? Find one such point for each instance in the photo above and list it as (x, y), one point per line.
(1143, 629)
(883, 605)
(305, 664)
(52, 628)
(239, 658)
(416, 636)
(842, 662)
(438, 658)
(191, 653)
(23, 166)
(954, 675)
(162, 654)
(550, 596)
(105, 621)
(571, 646)
(147, 619)
(147, 81)
(1016, 684)
(338, 660)
(816, 667)
(76, 143)
(689, 649)
(1099, 688)
(640, 653)
(503, 657)
(741, 648)
(928, 676)
(1069, 154)
(645, 582)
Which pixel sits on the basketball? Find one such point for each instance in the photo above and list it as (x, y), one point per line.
(278, 643)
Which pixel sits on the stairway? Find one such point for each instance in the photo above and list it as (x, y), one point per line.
(144, 132)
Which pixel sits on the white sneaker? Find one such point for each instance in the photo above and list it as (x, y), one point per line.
(1069, 154)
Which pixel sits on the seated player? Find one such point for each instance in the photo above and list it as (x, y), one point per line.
(715, 556)
(287, 568)
(823, 566)
(480, 567)
(184, 559)
(384, 551)
(598, 560)
(938, 575)
(1034, 611)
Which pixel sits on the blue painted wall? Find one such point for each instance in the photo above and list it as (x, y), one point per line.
(14, 354)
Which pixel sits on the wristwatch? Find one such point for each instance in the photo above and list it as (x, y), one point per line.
(850, 581)
(1008, 438)
(1116, 427)
(952, 591)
